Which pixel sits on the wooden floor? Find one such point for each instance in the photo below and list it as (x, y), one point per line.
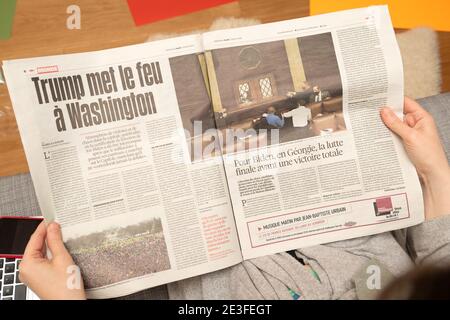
(40, 29)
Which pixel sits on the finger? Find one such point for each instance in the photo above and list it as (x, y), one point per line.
(391, 120)
(410, 120)
(55, 241)
(411, 106)
(36, 244)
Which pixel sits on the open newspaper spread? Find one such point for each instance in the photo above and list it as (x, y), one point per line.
(170, 159)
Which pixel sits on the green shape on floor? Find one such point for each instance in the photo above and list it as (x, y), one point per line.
(7, 8)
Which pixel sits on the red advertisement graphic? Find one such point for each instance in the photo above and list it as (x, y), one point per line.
(383, 205)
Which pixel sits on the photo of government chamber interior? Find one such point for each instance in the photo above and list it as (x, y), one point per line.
(290, 86)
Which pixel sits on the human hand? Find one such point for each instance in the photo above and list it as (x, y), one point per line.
(55, 278)
(420, 138)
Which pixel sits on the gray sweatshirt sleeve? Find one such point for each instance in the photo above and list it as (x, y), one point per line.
(429, 242)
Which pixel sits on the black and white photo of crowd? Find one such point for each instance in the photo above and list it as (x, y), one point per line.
(119, 254)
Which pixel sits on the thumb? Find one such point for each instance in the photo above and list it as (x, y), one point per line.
(55, 242)
(393, 122)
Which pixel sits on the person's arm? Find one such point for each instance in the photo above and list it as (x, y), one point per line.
(55, 278)
(428, 242)
(288, 114)
(421, 141)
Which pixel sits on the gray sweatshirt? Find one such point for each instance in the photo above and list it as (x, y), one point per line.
(352, 269)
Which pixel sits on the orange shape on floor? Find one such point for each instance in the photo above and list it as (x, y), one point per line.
(405, 14)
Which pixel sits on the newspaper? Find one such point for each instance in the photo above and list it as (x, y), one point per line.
(171, 159)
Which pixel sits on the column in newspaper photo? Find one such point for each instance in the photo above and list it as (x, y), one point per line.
(194, 102)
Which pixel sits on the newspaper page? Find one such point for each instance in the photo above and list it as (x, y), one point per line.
(307, 157)
(108, 139)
